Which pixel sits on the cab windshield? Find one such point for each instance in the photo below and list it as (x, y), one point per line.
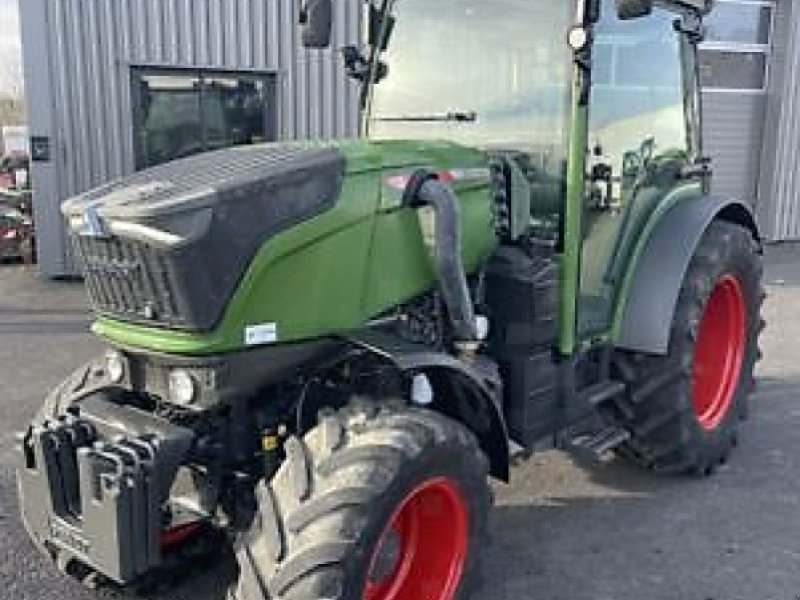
(493, 75)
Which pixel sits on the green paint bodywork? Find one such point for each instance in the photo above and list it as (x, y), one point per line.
(573, 218)
(335, 272)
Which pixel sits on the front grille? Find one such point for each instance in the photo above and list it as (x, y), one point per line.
(130, 280)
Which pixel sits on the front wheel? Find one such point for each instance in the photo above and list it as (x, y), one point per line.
(684, 409)
(378, 502)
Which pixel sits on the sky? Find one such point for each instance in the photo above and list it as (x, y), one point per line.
(10, 49)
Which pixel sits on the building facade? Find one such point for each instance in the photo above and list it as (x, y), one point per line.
(116, 85)
(750, 69)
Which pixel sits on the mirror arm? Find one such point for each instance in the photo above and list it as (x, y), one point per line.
(691, 25)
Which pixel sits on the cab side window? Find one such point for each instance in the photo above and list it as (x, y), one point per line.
(637, 108)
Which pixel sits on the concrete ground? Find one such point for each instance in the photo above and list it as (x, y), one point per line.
(561, 531)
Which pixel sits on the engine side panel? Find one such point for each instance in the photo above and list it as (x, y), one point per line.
(401, 264)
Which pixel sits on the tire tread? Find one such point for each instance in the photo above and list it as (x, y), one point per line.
(323, 494)
(666, 437)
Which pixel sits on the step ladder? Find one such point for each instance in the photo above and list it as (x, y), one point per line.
(593, 439)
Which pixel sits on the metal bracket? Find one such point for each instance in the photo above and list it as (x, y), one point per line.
(700, 169)
(691, 25)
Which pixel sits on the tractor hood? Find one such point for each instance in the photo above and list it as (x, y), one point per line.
(235, 185)
(186, 256)
(154, 243)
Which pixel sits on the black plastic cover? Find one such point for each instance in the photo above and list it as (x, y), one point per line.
(169, 245)
(522, 287)
(522, 297)
(531, 396)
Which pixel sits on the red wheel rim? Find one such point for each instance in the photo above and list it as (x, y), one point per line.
(429, 531)
(719, 353)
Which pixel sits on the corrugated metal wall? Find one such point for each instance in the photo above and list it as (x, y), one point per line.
(779, 197)
(734, 104)
(78, 55)
(733, 126)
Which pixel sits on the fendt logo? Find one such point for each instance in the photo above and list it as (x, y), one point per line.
(93, 225)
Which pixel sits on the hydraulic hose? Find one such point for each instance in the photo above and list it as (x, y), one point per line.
(425, 189)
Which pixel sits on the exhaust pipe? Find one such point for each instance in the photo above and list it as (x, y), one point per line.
(425, 189)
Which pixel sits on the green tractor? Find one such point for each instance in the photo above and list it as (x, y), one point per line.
(320, 351)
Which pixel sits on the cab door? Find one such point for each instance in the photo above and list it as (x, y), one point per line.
(638, 138)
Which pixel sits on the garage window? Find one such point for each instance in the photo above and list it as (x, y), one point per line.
(735, 55)
(729, 70)
(178, 113)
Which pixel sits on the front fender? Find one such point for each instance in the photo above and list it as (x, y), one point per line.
(643, 317)
(464, 392)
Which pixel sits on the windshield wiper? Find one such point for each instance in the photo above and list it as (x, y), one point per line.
(450, 117)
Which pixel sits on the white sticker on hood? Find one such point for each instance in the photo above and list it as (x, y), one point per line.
(266, 333)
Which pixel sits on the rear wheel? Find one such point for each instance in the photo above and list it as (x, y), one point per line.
(376, 503)
(684, 409)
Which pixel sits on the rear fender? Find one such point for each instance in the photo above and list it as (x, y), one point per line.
(643, 318)
(466, 392)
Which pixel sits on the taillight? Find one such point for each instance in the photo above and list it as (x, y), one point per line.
(10, 234)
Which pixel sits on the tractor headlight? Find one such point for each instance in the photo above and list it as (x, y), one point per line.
(182, 387)
(115, 366)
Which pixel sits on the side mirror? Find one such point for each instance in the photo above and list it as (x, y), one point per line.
(316, 19)
(379, 35)
(633, 9)
(593, 12)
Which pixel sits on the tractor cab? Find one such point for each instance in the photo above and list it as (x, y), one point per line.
(590, 112)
